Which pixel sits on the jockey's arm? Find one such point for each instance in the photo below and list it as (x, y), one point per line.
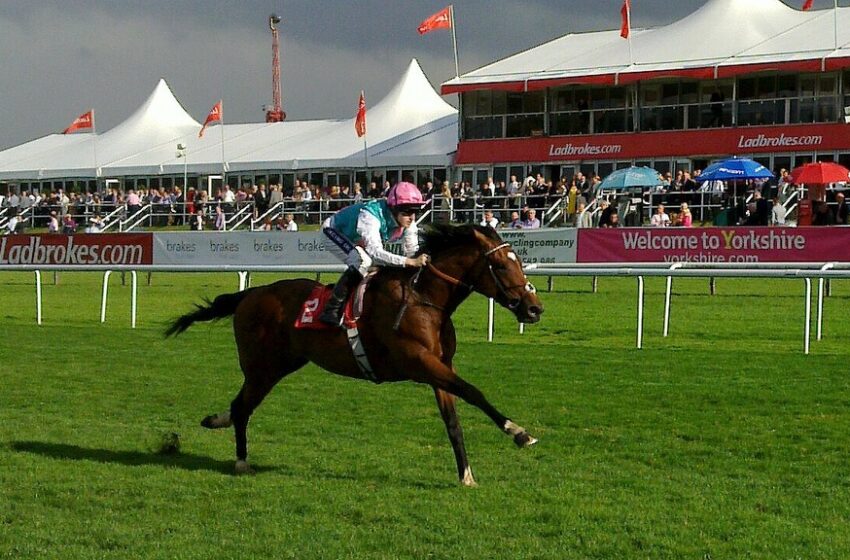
(370, 232)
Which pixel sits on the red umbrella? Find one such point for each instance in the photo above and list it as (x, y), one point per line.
(820, 173)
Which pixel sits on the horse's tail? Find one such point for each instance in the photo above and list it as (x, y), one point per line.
(223, 306)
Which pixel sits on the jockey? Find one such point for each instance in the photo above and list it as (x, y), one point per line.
(358, 232)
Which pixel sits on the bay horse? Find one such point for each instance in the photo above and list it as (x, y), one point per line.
(405, 327)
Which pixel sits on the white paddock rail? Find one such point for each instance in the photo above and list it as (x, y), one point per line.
(244, 277)
(802, 271)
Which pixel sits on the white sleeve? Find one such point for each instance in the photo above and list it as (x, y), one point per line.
(369, 229)
(410, 240)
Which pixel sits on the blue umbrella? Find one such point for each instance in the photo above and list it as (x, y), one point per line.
(734, 169)
(632, 177)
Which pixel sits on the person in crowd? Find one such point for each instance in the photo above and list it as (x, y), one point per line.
(514, 192)
(582, 218)
(762, 213)
(275, 196)
(220, 217)
(685, 218)
(289, 223)
(516, 222)
(605, 211)
(69, 226)
(198, 220)
(614, 220)
(531, 222)
(821, 214)
(52, 223)
(134, 202)
(777, 213)
(357, 234)
(446, 203)
(267, 224)
(96, 224)
(840, 210)
(489, 220)
(660, 218)
(14, 224)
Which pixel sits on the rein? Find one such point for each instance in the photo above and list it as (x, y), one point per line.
(456, 282)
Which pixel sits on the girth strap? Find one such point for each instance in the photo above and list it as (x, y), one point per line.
(360, 354)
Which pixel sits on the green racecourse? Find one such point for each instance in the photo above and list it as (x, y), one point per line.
(722, 441)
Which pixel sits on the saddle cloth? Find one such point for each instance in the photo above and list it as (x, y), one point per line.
(311, 309)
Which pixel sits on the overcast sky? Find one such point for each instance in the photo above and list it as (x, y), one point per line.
(58, 58)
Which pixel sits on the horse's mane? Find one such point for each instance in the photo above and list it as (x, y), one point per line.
(438, 238)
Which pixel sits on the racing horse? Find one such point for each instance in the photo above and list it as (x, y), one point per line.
(405, 327)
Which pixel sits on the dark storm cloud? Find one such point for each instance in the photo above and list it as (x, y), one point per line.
(60, 58)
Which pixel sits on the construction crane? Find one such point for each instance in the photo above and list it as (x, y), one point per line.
(275, 112)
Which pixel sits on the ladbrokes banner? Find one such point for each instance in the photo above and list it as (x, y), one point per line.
(714, 245)
(120, 249)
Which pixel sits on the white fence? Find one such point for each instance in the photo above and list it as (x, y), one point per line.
(805, 272)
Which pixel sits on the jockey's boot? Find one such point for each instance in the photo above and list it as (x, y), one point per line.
(332, 313)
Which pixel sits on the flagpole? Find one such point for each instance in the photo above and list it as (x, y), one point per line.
(835, 20)
(94, 144)
(221, 125)
(629, 18)
(454, 39)
(365, 154)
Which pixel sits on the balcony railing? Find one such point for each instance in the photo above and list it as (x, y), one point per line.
(687, 116)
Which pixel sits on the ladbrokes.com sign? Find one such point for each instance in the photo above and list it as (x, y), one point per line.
(101, 249)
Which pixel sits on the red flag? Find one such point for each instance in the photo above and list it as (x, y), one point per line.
(86, 120)
(440, 20)
(808, 5)
(360, 121)
(626, 14)
(214, 116)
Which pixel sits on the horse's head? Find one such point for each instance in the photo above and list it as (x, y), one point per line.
(481, 261)
(503, 278)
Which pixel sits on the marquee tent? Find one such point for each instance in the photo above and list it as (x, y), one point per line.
(411, 126)
(722, 39)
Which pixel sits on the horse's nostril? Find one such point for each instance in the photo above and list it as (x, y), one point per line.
(534, 310)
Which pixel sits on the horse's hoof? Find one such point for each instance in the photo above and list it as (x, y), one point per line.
(524, 439)
(468, 480)
(217, 421)
(242, 468)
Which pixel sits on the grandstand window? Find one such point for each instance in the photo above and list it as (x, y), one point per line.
(439, 176)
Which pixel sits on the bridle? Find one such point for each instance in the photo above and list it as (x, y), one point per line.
(469, 287)
(500, 285)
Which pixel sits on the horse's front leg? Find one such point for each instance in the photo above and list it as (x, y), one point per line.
(446, 402)
(440, 376)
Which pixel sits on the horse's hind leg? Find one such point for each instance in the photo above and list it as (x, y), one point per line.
(446, 402)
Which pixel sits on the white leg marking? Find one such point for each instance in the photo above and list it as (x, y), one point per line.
(221, 420)
(512, 429)
(468, 479)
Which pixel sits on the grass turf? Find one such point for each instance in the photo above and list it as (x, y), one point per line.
(721, 441)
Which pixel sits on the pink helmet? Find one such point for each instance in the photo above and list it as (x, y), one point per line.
(404, 194)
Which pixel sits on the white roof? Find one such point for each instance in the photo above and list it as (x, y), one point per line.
(721, 38)
(412, 125)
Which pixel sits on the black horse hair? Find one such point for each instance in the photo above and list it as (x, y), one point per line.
(437, 238)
